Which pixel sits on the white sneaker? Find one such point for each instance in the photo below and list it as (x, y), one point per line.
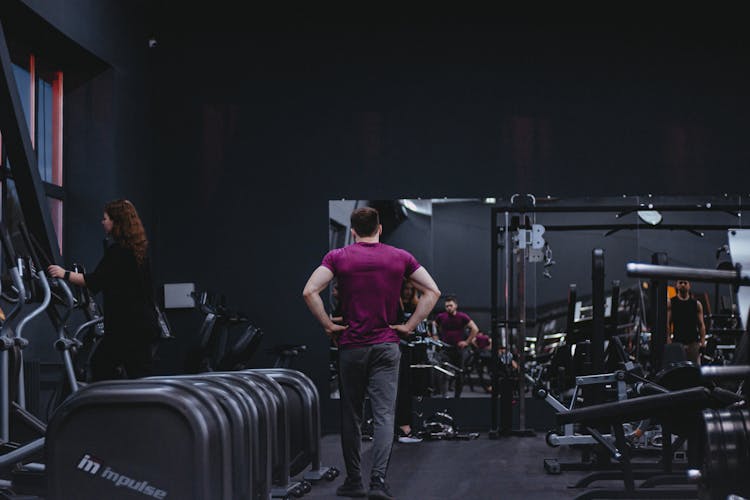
(408, 438)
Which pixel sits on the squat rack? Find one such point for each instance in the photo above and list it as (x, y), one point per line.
(512, 216)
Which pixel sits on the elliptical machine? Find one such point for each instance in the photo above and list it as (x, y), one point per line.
(215, 350)
(21, 433)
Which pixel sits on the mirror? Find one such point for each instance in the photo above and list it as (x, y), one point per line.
(452, 239)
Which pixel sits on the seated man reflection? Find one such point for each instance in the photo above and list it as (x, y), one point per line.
(451, 326)
(481, 361)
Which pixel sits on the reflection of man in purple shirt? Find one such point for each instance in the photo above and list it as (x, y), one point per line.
(482, 341)
(369, 276)
(452, 325)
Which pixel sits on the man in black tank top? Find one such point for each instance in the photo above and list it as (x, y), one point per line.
(685, 321)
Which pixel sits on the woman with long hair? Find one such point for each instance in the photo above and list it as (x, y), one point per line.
(404, 414)
(124, 278)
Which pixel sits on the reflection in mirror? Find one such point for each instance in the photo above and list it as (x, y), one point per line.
(453, 240)
(652, 217)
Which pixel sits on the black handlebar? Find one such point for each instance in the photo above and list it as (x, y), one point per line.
(725, 372)
(29, 244)
(210, 303)
(737, 277)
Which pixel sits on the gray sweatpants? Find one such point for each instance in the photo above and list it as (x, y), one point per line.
(371, 370)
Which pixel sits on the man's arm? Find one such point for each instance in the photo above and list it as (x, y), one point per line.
(473, 330)
(435, 333)
(669, 321)
(430, 295)
(317, 282)
(701, 324)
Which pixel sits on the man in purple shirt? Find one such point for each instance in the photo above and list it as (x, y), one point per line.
(369, 276)
(451, 326)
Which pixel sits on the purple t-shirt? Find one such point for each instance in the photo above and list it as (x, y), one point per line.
(369, 279)
(482, 340)
(452, 327)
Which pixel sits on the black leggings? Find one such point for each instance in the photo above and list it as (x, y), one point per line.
(457, 357)
(114, 354)
(404, 398)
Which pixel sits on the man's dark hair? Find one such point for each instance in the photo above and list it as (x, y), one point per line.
(365, 221)
(451, 298)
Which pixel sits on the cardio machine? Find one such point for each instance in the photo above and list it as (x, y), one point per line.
(218, 348)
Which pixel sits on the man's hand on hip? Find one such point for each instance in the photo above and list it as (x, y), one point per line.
(334, 331)
(402, 330)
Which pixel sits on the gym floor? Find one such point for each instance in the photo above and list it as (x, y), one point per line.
(508, 468)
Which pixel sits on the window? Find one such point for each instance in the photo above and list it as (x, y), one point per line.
(40, 87)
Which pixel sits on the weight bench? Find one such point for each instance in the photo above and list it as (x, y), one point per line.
(667, 408)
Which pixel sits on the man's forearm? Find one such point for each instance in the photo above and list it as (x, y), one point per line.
(424, 306)
(317, 308)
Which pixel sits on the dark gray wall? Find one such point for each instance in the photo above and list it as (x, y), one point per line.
(415, 234)
(461, 239)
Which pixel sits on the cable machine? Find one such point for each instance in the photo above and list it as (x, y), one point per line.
(521, 240)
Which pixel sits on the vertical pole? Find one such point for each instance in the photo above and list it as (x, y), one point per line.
(4, 393)
(593, 394)
(521, 337)
(597, 334)
(570, 320)
(494, 426)
(658, 314)
(506, 384)
(615, 309)
(507, 278)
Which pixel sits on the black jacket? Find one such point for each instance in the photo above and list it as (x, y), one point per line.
(127, 293)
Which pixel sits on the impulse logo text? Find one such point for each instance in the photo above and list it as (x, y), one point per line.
(92, 466)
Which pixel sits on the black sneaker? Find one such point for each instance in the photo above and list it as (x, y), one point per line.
(403, 437)
(379, 490)
(352, 488)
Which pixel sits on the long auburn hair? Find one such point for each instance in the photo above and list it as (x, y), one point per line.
(410, 304)
(127, 228)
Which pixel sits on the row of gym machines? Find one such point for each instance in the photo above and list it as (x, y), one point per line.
(216, 434)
